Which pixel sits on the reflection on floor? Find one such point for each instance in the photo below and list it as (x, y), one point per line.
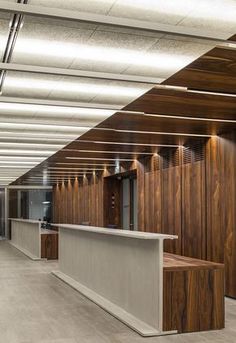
(36, 307)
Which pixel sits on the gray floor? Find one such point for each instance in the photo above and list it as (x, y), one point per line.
(36, 307)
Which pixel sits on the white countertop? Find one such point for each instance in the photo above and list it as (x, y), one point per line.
(33, 221)
(48, 232)
(115, 232)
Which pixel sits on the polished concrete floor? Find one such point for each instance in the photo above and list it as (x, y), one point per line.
(36, 307)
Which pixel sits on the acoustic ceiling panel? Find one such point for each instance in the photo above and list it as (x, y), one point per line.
(204, 14)
(40, 86)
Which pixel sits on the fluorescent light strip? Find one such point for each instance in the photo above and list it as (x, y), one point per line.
(129, 143)
(99, 159)
(111, 152)
(189, 118)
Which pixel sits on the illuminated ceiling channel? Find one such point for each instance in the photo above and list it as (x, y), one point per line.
(30, 133)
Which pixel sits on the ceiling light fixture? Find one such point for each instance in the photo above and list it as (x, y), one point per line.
(110, 152)
(189, 118)
(99, 159)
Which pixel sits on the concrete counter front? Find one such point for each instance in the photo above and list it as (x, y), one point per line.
(121, 271)
(35, 242)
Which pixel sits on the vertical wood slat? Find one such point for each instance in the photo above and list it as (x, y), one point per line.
(214, 201)
(193, 203)
(171, 198)
(228, 149)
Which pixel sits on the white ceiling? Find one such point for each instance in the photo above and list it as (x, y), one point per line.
(31, 133)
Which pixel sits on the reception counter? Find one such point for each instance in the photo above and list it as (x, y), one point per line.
(35, 242)
(121, 271)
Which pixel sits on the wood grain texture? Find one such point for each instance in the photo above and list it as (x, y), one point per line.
(193, 198)
(193, 210)
(193, 295)
(49, 246)
(228, 146)
(215, 200)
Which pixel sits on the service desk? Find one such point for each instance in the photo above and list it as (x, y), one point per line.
(35, 242)
(121, 271)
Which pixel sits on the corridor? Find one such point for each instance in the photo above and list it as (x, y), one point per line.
(36, 307)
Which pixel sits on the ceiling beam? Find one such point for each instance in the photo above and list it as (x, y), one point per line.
(57, 13)
(79, 73)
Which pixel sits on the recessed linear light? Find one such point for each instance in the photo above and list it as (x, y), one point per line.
(111, 152)
(130, 143)
(155, 132)
(227, 45)
(189, 90)
(170, 87)
(189, 118)
(231, 95)
(86, 164)
(66, 168)
(100, 159)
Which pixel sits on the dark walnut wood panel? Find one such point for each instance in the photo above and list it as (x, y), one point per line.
(88, 146)
(193, 295)
(129, 137)
(182, 103)
(215, 200)
(171, 198)
(228, 146)
(122, 121)
(49, 246)
(111, 201)
(193, 209)
(214, 71)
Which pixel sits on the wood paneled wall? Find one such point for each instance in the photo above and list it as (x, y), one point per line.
(79, 202)
(190, 192)
(228, 183)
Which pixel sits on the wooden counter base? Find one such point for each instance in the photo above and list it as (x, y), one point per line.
(193, 294)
